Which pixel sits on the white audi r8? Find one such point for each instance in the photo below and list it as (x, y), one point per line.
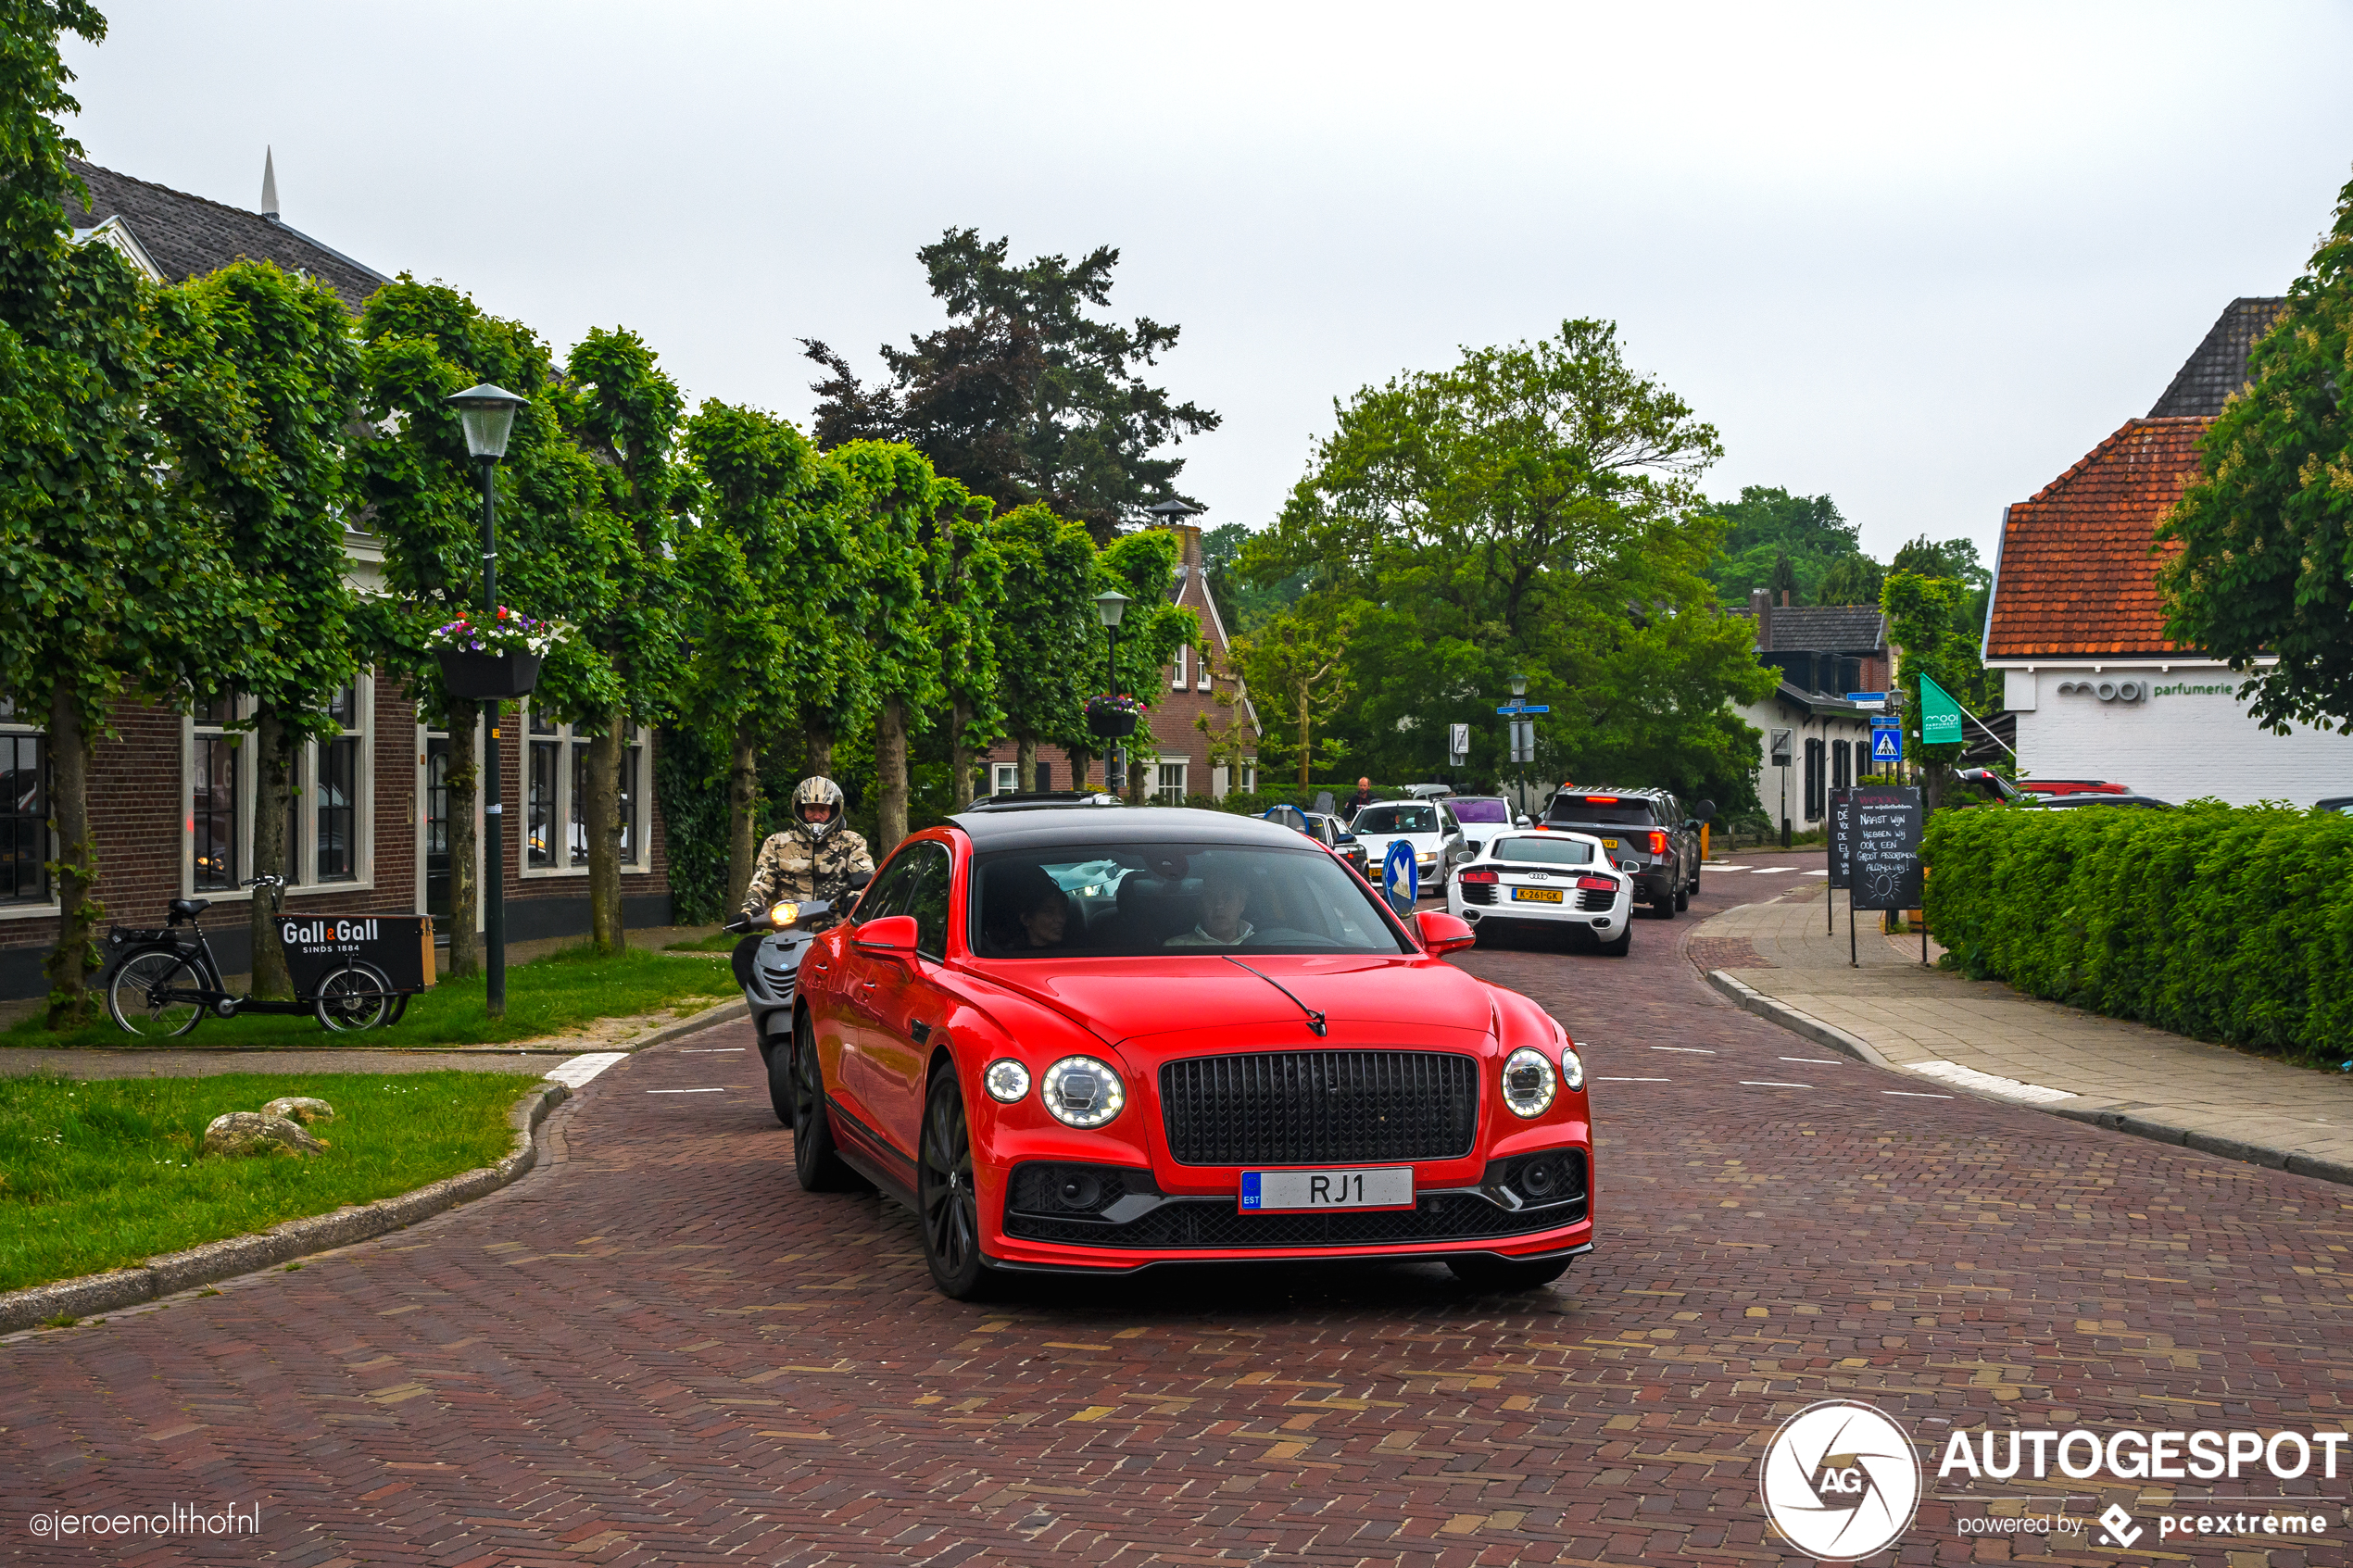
(1549, 878)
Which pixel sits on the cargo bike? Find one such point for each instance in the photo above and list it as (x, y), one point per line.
(349, 971)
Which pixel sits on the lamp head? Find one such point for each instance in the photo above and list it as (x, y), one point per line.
(1519, 685)
(488, 413)
(1109, 608)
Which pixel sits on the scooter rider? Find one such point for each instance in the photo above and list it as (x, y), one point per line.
(814, 857)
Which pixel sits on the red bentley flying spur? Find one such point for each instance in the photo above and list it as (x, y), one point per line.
(1084, 1038)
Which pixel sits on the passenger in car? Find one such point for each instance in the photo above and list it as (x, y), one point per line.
(1029, 909)
(1223, 899)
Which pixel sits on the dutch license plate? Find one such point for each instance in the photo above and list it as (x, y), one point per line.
(1609, 844)
(1272, 1192)
(1536, 895)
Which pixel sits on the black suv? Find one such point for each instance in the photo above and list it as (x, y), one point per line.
(1646, 835)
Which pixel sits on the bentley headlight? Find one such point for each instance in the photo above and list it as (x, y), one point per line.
(1572, 1068)
(783, 915)
(1082, 1092)
(1528, 1082)
(1005, 1080)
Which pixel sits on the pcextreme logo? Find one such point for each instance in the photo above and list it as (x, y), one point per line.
(1840, 1481)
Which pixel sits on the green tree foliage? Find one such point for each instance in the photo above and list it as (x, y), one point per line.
(1047, 631)
(2265, 535)
(260, 377)
(2215, 921)
(106, 585)
(1927, 622)
(1766, 523)
(1531, 509)
(1300, 669)
(1025, 395)
(1245, 604)
(1781, 583)
(1851, 579)
(1143, 566)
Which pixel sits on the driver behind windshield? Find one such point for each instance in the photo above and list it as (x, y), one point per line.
(1223, 898)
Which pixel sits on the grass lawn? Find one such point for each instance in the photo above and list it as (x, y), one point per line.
(717, 941)
(545, 997)
(104, 1175)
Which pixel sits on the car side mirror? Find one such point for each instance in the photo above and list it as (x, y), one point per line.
(892, 937)
(1525, 823)
(1442, 933)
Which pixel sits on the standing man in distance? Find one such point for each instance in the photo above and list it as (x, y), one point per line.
(1358, 801)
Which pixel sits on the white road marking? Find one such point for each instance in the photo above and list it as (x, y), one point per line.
(1817, 873)
(1760, 870)
(1816, 1060)
(1914, 1093)
(709, 1050)
(1986, 1083)
(686, 1091)
(574, 1071)
(1694, 1051)
(1720, 866)
(1637, 1080)
(1768, 1084)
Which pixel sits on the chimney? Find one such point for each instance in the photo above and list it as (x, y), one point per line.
(1785, 599)
(1760, 609)
(269, 185)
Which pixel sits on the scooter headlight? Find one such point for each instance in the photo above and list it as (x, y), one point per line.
(783, 915)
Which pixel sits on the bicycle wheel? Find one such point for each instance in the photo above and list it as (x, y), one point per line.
(355, 997)
(135, 996)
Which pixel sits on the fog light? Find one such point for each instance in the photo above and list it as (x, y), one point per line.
(1078, 1189)
(1006, 1080)
(1528, 1082)
(1082, 1092)
(1537, 1177)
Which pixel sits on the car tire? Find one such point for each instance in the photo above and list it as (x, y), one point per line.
(780, 1080)
(947, 1206)
(1663, 904)
(1619, 948)
(815, 1165)
(1683, 897)
(1499, 1275)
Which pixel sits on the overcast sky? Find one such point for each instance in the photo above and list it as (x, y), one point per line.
(1920, 262)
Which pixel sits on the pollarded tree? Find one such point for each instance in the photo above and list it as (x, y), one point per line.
(261, 376)
(2265, 568)
(966, 596)
(1045, 632)
(1143, 566)
(108, 586)
(893, 499)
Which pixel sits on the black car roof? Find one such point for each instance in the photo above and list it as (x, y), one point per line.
(1036, 826)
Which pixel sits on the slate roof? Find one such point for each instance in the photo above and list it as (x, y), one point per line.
(1853, 630)
(189, 237)
(2218, 369)
(2075, 576)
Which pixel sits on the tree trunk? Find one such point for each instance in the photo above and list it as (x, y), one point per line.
(890, 776)
(1025, 763)
(464, 782)
(1081, 764)
(960, 754)
(603, 814)
(821, 752)
(75, 959)
(743, 813)
(1302, 736)
(272, 765)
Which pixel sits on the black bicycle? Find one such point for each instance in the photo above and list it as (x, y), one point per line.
(165, 981)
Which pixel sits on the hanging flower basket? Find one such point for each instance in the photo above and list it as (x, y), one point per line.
(488, 677)
(1111, 717)
(488, 655)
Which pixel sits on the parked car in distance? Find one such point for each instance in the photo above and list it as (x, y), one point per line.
(1983, 786)
(1647, 834)
(1240, 1055)
(1331, 833)
(1428, 825)
(2340, 803)
(2071, 786)
(2067, 802)
(1482, 817)
(1549, 878)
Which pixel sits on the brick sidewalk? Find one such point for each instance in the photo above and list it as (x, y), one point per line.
(1985, 1038)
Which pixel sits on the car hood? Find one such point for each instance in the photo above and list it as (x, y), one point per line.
(1128, 1000)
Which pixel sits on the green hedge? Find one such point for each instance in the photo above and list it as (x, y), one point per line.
(2221, 923)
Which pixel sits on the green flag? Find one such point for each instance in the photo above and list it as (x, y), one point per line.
(1940, 715)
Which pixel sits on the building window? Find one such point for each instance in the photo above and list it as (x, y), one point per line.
(214, 798)
(1815, 759)
(1004, 778)
(1177, 671)
(335, 772)
(1204, 672)
(557, 790)
(1171, 790)
(24, 815)
(1842, 765)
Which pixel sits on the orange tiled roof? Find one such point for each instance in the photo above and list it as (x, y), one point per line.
(2076, 577)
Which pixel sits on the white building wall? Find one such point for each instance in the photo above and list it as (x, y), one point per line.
(1770, 715)
(2187, 736)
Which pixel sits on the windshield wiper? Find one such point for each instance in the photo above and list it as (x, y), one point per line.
(1315, 1019)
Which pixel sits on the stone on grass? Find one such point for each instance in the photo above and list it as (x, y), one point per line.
(243, 1132)
(300, 1108)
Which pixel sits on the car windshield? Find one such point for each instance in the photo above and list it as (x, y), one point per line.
(1580, 808)
(1397, 818)
(1481, 812)
(1127, 900)
(1542, 850)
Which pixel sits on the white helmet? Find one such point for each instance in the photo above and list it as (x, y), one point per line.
(817, 790)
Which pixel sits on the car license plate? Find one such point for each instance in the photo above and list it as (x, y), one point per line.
(1609, 844)
(1272, 1192)
(1536, 895)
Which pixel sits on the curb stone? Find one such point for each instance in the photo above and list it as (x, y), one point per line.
(284, 1242)
(2293, 1161)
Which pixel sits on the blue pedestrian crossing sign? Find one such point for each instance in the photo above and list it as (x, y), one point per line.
(1887, 744)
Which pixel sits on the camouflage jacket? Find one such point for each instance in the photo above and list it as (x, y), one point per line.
(793, 865)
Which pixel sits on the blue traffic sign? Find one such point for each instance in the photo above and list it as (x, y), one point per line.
(1400, 880)
(1527, 707)
(1887, 744)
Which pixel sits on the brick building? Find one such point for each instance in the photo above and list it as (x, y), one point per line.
(171, 795)
(1195, 685)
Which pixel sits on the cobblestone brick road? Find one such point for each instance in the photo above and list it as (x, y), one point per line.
(658, 1350)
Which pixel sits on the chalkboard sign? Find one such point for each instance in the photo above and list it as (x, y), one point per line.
(317, 945)
(1884, 853)
(1842, 837)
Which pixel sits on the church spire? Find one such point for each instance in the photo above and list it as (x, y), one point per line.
(269, 185)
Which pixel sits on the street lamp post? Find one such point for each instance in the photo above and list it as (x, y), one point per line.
(1109, 607)
(488, 414)
(1519, 690)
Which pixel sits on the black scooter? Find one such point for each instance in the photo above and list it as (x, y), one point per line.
(767, 965)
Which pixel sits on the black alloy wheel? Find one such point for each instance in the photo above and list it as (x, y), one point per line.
(135, 995)
(1625, 941)
(946, 1204)
(815, 1165)
(1498, 1275)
